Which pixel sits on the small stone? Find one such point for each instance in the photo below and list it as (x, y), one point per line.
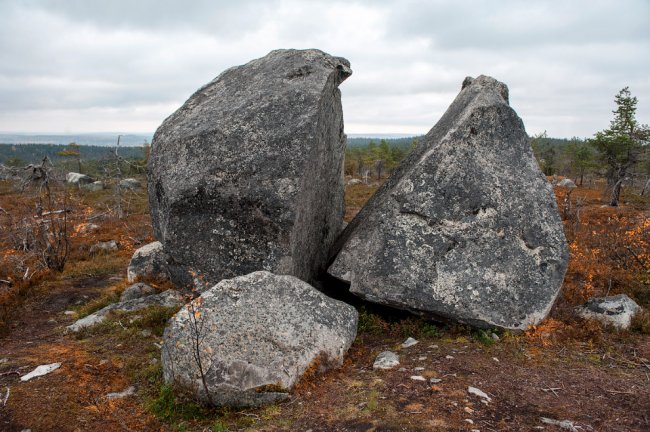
(419, 369)
(468, 410)
(495, 337)
(78, 179)
(613, 310)
(149, 261)
(136, 291)
(449, 357)
(130, 391)
(386, 360)
(4, 360)
(435, 380)
(470, 421)
(495, 359)
(567, 183)
(130, 183)
(418, 378)
(479, 393)
(169, 298)
(433, 346)
(145, 333)
(401, 370)
(69, 312)
(409, 342)
(422, 358)
(40, 371)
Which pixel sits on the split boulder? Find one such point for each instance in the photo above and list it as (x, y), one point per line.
(257, 335)
(247, 174)
(452, 233)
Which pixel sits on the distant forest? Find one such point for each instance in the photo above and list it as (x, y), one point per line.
(364, 157)
(19, 155)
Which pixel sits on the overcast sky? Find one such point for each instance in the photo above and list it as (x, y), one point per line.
(73, 66)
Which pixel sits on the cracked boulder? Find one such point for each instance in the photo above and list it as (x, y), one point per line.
(453, 233)
(248, 340)
(247, 174)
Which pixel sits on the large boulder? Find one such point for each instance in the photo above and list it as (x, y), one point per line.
(247, 174)
(453, 233)
(255, 336)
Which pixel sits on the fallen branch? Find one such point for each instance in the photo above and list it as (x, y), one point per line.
(552, 389)
(9, 373)
(56, 212)
(620, 392)
(89, 218)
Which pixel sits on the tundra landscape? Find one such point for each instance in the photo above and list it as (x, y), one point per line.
(141, 294)
(318, 216)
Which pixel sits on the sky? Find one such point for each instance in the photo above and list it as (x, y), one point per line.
(75, 66)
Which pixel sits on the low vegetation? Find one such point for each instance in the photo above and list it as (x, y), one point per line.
(564, 369)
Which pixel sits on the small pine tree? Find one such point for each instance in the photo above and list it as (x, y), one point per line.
(622, 145)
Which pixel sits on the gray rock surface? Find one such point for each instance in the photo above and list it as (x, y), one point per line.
(137, 291)
(169, 298)
(247, 174)
(386, 360)
(78, 179)
(149, 261)
(130, 183)
(259, 333)
(452, 233)
(616, 311)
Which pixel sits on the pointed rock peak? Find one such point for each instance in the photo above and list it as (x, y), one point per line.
(485, 83)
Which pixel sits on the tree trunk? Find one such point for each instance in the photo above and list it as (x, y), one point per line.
(616, 193)
(646, 188)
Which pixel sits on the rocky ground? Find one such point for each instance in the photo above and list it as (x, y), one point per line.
(563, 375)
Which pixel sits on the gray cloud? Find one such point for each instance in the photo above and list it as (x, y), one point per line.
(82, 65)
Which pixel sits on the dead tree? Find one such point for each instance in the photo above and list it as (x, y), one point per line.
(379, 167)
